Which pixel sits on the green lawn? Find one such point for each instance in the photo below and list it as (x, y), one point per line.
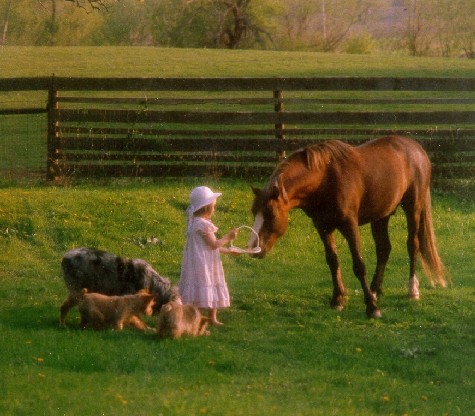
(282, 349)
(160, 62)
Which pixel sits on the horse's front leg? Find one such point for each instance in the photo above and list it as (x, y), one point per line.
(351, 232)
(338, 299)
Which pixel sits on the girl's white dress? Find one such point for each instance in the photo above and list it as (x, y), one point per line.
(202, 281)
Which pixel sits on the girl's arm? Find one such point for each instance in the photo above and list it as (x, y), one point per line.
(214, 243)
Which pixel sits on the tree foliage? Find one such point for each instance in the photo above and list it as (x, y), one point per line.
(418, 27)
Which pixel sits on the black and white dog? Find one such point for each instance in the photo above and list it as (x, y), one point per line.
(102, 272)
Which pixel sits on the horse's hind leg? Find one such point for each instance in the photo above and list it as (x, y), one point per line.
(338, 299)
(413, 216)
(380, 233)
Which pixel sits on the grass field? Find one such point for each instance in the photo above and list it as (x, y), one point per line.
(159, 62)
(282, 349)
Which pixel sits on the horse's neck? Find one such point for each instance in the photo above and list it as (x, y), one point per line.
(299, 184)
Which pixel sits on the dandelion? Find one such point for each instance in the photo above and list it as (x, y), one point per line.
(358, 349)
(121, 399)
(386, 397)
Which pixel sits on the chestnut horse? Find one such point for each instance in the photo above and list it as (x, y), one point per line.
(341, 187)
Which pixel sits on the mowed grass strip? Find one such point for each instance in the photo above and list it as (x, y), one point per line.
(171, 62)
(282, 349)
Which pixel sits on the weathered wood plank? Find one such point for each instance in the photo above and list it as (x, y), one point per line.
(98, 143)
(166, 101)
(218, 170)
(268, 84)
(168, 145)
(241, 84)
(263, 101)
(165, 157)
(259, 118)
(441, 159)
(177, 170)
(269, 132)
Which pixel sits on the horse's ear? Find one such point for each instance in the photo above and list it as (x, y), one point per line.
(256, 191)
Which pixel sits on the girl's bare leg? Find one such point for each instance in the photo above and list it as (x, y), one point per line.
(213, 317)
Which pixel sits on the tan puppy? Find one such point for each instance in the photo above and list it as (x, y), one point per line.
(100, 311)
(176, 319)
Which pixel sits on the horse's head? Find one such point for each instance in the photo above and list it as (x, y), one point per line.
(270, 209)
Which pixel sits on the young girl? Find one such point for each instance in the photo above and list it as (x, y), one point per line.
(202, 281)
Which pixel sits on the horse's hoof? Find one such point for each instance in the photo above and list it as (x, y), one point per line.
(339, 308)
(375, 314)
(413, 296)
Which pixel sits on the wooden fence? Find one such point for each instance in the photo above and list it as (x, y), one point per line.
(243, 126)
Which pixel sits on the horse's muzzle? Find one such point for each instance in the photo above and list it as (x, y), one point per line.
(259, 255)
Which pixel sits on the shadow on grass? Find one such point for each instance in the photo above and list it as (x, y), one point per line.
(30, 317)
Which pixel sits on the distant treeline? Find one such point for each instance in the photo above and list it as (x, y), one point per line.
(412, 27)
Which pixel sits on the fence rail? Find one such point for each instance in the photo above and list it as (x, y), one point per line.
(243, 126)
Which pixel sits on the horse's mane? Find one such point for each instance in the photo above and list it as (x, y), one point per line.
(316, 156)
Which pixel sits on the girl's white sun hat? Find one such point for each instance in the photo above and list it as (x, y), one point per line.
(200, 197)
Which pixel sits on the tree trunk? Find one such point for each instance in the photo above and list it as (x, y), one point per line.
(5, 24)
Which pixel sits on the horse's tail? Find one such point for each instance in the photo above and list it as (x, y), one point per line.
(431, 262)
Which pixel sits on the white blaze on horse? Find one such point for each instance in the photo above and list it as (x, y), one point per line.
(341, 187)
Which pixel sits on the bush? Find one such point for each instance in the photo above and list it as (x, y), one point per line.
(362, 44)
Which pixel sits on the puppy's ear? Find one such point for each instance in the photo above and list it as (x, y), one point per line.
(84, 291)
(167, 307)
(148, 299)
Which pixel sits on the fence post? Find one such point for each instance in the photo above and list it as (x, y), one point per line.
(279, 127)
(52, 164)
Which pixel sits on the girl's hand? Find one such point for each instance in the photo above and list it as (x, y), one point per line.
(227, 250)
(233, 234)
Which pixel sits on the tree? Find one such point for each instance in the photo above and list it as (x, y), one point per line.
(324, 24)
(417, 32)
(337, 19)
(440, 27)
(5, 23)
(91, 4)
(129, 23)
(225, 23)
